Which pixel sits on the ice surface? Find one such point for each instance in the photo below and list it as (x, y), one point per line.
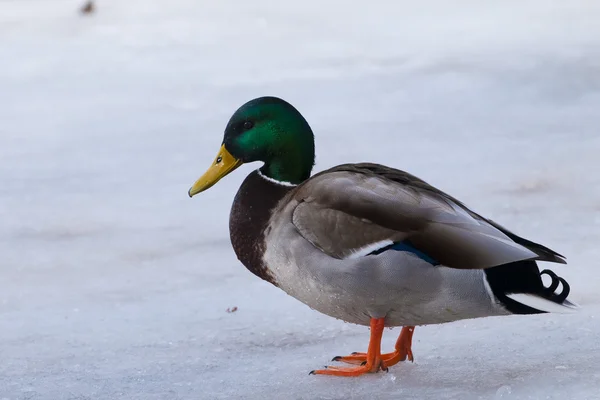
(115, 285)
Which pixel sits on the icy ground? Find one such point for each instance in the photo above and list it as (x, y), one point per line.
(115, 285)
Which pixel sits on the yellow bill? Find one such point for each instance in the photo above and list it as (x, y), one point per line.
(224, 163)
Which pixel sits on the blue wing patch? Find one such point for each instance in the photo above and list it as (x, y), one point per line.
(407, 247)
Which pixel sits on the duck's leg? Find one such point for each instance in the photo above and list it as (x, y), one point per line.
(402, 352)
(372, 361)
(403, 348)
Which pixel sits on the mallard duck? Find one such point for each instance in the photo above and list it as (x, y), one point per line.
(369, 244)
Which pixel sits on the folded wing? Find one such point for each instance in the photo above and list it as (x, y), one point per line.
(356, 207)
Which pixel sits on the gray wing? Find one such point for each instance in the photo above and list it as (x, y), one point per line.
(354, 209)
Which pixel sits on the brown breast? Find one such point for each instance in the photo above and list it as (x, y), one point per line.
(249, 218)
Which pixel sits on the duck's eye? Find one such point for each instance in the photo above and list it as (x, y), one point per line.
(248, 125)
(219, 159)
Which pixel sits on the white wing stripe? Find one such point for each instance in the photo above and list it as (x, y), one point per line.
(363, 251)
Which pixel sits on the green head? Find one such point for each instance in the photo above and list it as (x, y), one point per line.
(266, 129)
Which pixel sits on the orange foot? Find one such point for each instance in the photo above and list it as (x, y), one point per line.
(403, 351)
(372, 361)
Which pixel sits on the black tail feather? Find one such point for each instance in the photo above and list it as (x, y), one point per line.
(524, 277)
(550, 290)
